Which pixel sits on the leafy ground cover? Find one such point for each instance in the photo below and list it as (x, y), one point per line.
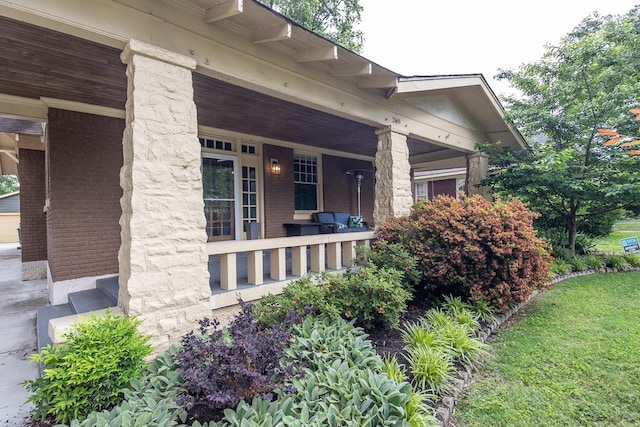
(570, 359)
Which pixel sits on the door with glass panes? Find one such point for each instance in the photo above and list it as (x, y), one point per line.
(220, 195)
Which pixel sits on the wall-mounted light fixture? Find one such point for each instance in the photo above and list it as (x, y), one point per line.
(275, 167)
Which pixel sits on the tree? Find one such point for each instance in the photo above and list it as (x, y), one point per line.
(8, 184)
(334, 19)
(588, 81)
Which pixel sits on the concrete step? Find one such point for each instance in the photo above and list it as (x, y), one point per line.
(89, 300)
(109, 286)
(59, 326)
(43, 316)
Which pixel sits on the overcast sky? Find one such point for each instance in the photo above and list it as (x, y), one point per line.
(432, 37)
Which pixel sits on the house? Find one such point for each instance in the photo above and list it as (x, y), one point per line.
(156, 112)
(431, 183)
(9, 217)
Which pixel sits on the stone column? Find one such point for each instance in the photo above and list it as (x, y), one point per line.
(164, 279)
(393, 176)
(477, 170)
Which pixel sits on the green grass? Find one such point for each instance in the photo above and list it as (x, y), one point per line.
(571, 359)
(622, 229)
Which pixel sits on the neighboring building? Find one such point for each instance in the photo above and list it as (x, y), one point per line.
(146, 102)
(428, 184)
(9, 217)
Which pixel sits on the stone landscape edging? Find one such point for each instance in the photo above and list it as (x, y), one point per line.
(463, 378)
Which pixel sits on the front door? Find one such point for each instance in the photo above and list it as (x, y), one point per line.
(220, 188)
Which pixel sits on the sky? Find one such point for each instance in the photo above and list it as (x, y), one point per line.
(433, 37)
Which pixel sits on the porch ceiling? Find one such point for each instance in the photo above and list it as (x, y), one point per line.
(39, 62)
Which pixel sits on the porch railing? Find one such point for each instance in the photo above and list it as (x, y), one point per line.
(325, 251)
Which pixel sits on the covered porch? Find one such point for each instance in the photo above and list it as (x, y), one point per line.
(169, 128)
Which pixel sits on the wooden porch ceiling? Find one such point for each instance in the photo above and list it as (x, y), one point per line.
(39, 62)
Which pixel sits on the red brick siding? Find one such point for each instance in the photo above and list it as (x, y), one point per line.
(84, 159)
(340, 190)
(278, 190)
(33, 224)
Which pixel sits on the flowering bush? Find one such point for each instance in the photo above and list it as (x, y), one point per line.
(473, 248)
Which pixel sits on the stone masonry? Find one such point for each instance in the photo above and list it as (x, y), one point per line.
(393, 176)
(163, 261)
(477, 170)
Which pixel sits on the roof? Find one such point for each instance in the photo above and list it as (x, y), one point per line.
(10, 202)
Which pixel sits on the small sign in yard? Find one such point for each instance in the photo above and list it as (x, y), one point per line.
(630, 244)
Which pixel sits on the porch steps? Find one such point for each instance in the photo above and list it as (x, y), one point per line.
(53, 321)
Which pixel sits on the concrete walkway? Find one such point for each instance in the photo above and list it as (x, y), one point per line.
(18, 304)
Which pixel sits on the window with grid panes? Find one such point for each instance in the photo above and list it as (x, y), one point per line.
(305, 177)
(249, 194)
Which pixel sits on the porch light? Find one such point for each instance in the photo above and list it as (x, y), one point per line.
(275, 167)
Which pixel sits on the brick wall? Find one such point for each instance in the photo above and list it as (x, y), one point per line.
(340, 190)
(84, 160)
(32, 198)
(278, 191)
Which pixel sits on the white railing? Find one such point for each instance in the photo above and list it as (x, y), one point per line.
(326, 252)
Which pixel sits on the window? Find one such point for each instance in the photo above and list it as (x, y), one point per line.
(461, 187)
(305, 178)
(249, 194)
(216, 144)
(422, 192)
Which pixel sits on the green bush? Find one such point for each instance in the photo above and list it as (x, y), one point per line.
(594, 262)
(372, 296)
(560, 267)
(632, 259)
(578, 263)
(344, 384)
(473, 249)
(391, 255)
(305, 295)
(88, 373)
(584, 244)
(149, 401)
(432, 369)
(616, 261)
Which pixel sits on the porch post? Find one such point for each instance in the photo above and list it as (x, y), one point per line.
(164, 279)
(477, 170)
(393, 176)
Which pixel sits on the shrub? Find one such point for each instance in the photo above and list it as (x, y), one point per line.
(594, 262)
(632, 259)
(482, 310)
(578, 263)
(474, 249)
(222, 366)
(391, 255)
(418, 334)
(343, 384)
(372, 296)
(584, 244)
(616, 261)
(99, 358)
(432, 369)
(303, 296)
(457, 341)
(560, 267)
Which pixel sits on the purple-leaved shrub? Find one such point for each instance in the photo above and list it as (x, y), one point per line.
(222, 366)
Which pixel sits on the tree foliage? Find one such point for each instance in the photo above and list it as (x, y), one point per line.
(334, 19)
(588, 81)
(8, 184)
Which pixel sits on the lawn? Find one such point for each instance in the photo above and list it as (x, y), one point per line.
(570, 359)
(622, 229)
